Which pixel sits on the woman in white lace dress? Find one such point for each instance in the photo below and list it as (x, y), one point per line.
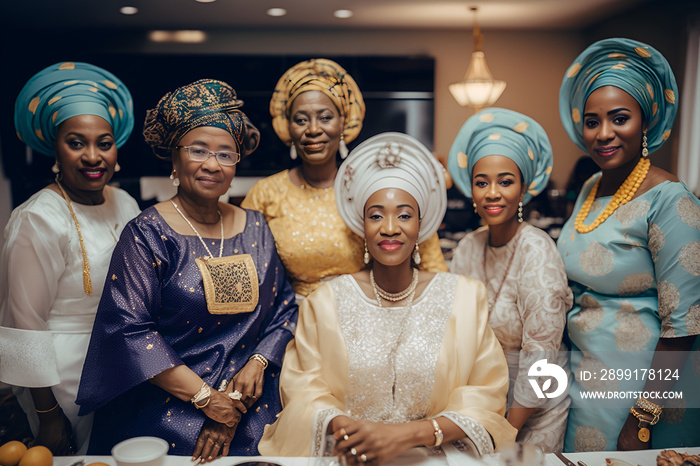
(501, 159)
(390, 359)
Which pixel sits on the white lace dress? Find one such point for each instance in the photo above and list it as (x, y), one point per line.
(351, 357)
(528, 317)
(45, 314)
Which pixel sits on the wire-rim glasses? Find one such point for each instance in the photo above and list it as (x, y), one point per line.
(226, 158)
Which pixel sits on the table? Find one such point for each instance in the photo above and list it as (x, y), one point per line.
(633, 458)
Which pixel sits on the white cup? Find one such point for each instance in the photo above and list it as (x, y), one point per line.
(140, 451)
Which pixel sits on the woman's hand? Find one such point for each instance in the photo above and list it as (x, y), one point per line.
(56, 433)
(249, 382)
(214, 441)
(369, 442)
(628, 440)
(222, 409)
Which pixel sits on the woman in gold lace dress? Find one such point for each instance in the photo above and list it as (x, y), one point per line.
(316, 109)
(390, 360)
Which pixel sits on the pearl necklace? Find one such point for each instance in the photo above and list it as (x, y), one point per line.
(221, 222)
(622, 196)
(393, 297)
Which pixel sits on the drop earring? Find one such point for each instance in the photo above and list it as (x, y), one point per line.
(366, 256)
(474, 204)
(416, 255)
(520, 212)
(56, 168)
(343, 148)
(117, 168)
(293, 152)
(645, 151)
(176, 181)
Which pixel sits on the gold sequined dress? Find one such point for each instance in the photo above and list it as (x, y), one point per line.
(351, 357)
(312, 240)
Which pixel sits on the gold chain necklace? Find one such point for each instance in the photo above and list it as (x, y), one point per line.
(622, 196)
(221, 222)
(393, 297)
(87, 281)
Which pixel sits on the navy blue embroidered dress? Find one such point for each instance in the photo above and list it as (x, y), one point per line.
(153, 316)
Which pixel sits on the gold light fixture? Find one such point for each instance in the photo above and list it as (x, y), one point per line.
(478, 89)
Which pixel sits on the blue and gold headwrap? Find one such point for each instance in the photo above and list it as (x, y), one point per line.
(206, 102)
(319, 74)
(636, 68)
(69, 89)
(497, 131)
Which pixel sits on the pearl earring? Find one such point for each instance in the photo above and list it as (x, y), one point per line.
(176, 181)
(56, 169)
(416, 255)
(343, 149)
(366, 256)
(293, 152)
(520, 212)
(117, 168)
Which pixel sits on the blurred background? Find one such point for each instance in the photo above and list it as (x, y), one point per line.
(403, 53)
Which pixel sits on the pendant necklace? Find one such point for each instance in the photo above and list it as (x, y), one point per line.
(221, 222)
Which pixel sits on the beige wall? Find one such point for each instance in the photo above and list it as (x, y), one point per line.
(532, 63)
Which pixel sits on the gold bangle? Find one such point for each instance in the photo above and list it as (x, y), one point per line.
(437, 433)
(204, 393)
(47, 410)
(649, 407)
(261, 359)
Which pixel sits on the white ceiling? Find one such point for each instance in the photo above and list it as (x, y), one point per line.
(420, 14)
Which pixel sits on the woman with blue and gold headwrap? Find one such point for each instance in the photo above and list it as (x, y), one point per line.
(196, 314)
(316, 109)
(59, 242)
(632, 254)
(502, 159)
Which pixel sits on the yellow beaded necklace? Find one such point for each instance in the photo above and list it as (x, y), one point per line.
(622, 196)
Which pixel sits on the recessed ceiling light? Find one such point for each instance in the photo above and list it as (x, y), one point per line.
(343, 14)
(205, 1)
(183, 36)
(128, 10)
(276, 12)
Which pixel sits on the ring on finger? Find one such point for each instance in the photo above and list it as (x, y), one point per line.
(363, 458)
(235, 395)
(353, 451)
(346, 437)
(216, 445)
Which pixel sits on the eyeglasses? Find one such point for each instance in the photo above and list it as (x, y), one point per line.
(226, 158)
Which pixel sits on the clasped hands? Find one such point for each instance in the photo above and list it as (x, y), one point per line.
(225, 412)
(364, 442)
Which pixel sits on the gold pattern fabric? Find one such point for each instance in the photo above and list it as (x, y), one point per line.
(206, 102)
(312, 240)
(322, 75)
(230, 283)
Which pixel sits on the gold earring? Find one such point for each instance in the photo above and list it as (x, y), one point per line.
(366, 256)
(645, 151)
(117, 168)
(416, 255)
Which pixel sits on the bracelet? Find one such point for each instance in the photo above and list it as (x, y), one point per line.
(261, 359)
(651, 408)
(437, 433)
(204, 393)
(46, 410)
(643, 433)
